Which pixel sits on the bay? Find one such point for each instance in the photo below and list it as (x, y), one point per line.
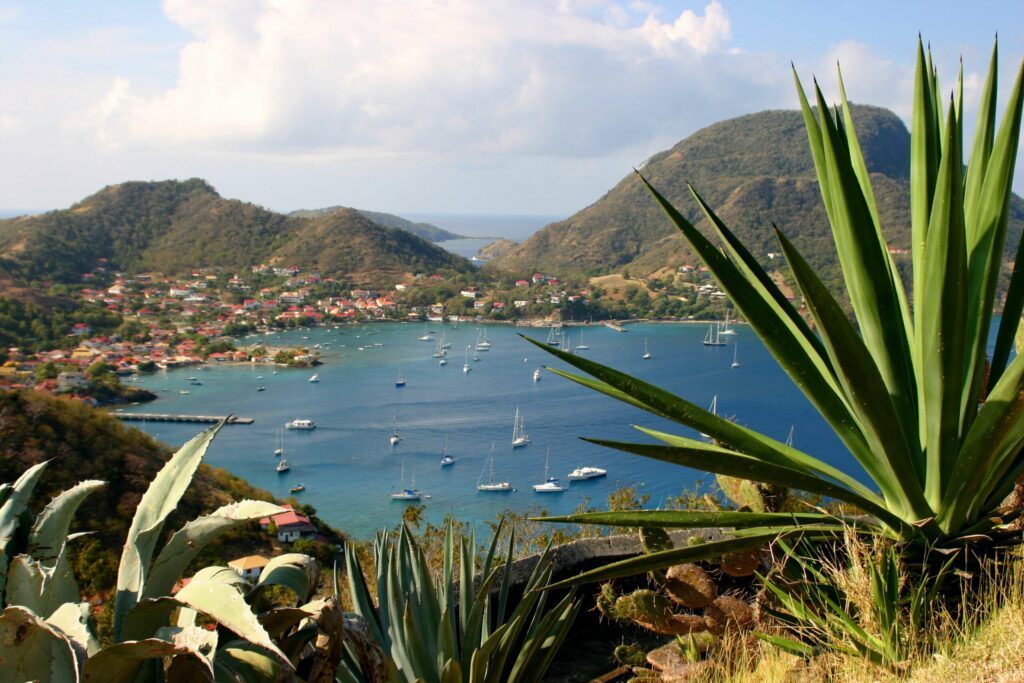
(349, 469)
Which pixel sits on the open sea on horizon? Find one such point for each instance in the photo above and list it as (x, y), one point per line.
(349, 469)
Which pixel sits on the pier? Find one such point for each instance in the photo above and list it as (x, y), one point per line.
(168, 417)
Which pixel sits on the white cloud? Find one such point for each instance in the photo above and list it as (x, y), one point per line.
(295, 77)
(9, 125)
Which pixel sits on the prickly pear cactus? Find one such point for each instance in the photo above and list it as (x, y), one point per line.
(753, 496)
(655, 612)
(727, 613)
(690, 586)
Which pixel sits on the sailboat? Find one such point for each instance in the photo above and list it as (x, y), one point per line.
(713, 338)
(282, 466)
(439, 351)
(491, 486)
(581, 346)
(446, 457)
(279, 451)
(395, 438)
(789, 439)
(519, 435)
(536, 375)
(713, 409)
(411, 493)
(550, 484)
(465, 366)
(647, 354)
(426, 335)
(735, 356)
(726, 329)
(314, 378)
(399, 380)
(482, 344)
(554, 336)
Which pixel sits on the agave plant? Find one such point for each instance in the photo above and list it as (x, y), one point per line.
(45, 630)
(906, 385)
(436, 631)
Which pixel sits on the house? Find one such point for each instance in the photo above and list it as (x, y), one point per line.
(520, 303)
(69, 381)
(522, 283)
(471, 292)
(249, 567)
(291, 525)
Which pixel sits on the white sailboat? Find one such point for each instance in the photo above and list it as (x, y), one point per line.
(465, 366)
(554, 336)
(446, 457)
(314, 378)
(726, 329)
(550, 484)
(400, 379)
(482, 343)
(789, 439)
(713, 409)
(282, 466)
(394, 438)
(491, 486)
(735, 356)
(713, 337)
(411, 493)
(426, 335)
(537, 375)
(279, 451)
(647, 354)
(519, 435)
(581, 346)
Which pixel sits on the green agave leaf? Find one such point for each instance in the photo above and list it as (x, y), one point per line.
(941, 320)
(159, 501)
(33, 650)
(299, 573)
(544, 641)
(793, 647)
(51, 526)
(665, 404)
(471, 634)
(710, 458)
(187, 542)
(667, 558)
(123, 662)
(684, 519)
(11, 513)
(280, 619)
(243, 662)
(148, 616)
(214, 591)
(362, 603)
(73, 620)
(892, 443)
(40, 587)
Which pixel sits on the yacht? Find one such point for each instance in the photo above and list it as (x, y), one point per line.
(735, 356)
(519, 435)
(482, 344)
(581, 346)
(713, 337)
(647, 354)
(554, 336)
(465, 366)
(726, 328)
(399, 380)
(300, 424)
(536, 375)
(581, 473)
(282, 466)
(446, 457)
(261, 388)
(411, 493)
(394, 438)
(443, 362)
(279, 451)
(492, 486)
(314, 379)
(550, 484)
(298, 488)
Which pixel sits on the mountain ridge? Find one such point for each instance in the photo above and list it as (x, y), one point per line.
(427, 231)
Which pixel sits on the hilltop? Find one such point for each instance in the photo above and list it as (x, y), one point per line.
(754, 170)
(176, 226)
(427, 231)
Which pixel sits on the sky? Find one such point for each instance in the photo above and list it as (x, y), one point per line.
(434, 106)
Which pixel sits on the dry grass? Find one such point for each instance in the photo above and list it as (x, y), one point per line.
(615, 285)
(987, 647)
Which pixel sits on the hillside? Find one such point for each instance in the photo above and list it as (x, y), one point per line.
(753, 170)
(174, 226)
(427, 231)
(86, 443)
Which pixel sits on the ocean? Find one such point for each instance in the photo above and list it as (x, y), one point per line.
(349, 469)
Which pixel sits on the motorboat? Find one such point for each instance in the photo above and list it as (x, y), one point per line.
(298, 423)
(581, 473)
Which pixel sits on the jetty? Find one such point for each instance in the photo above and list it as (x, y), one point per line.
(168, 417)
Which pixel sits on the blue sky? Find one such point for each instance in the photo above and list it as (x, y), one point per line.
(504, 106)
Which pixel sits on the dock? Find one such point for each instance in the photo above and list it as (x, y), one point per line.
(168, 417)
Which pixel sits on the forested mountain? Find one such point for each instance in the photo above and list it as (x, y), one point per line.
(173, 226)
(427, 231)
(754, 170)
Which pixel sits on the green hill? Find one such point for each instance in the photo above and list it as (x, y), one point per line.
(86, 443)
(172, 227)
(753, 170)
(427, 231)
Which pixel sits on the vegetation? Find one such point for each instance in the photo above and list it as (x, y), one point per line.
(32, 327)
(49, 634)
(174, 227)
(433, 630)
(909, 389)
(429, 232)
(89, 444)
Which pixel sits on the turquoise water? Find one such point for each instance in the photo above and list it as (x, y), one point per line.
(349, 469)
